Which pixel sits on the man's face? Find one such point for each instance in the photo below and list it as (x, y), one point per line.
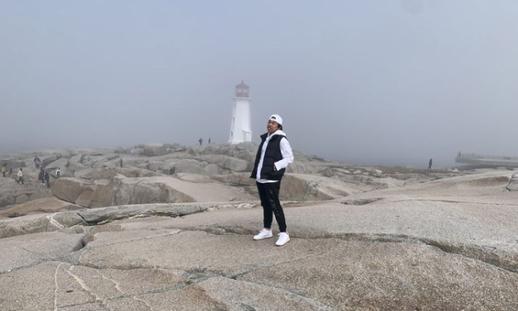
(272, 126)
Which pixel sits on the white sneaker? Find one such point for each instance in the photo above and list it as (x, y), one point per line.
(264, 234)
(283, 239)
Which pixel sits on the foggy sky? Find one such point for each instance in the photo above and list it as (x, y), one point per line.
(393, 82)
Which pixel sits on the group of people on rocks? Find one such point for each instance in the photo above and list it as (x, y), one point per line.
(9, 172)
(43, 176)
(200, 141)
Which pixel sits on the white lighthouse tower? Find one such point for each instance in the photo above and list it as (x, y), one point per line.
(240, 127)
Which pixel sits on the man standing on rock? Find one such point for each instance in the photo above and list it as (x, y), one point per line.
(273, 157)
(20, 176)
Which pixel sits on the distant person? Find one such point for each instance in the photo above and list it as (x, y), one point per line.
(430, 165)
(47, 179)
(41, 176)
(37, 162)
(172, 170)
(20, 176)
(4, 170)
(209, 140)
(120, 162)
(10, 171)
(273, 156)
(58, 172)
(200, 141)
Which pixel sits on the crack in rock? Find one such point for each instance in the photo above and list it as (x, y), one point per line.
(54, 222)
(480, 253)
(87, 289)
(454, 202)
(361, 201)
(56, 288)
(119, 289)
(148, 237)
(202, 275)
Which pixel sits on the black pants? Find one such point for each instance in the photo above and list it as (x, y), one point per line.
(269, 194)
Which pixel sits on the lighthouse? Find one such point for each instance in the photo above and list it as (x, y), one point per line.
(240, 127)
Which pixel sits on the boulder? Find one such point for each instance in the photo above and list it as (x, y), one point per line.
(145, 190)
(44, 205)
(296, 188)
(49, 159)
(194, 178)
(7, 191)
(110, 173)
(30, 249)
(61, 163)
(188, 166)
(77, 159)
(70, 189)
(97, 173)
(102, 195)
(212, 169)
(227, 162)
(237, 179)
(151, 150)
(12, 163)
(243, 151)
(83, 192)
(13, 193)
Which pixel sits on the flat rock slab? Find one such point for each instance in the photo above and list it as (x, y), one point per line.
(313, 273)
(159, 270)
(29, 249)
(61, 220)
(191, 250)
(245, 295)
(45, 205)
(62, 286)
(107, 214)
(204, 192)
(358, 275)
(25, 225)
(475, 229)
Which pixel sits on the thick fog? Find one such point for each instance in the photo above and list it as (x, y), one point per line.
(391, 82)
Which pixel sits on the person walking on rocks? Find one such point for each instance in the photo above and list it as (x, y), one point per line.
(58, 172)
(46, 176)
(273, 157)
(37, 162)
(20, 176)
(41, 176)
(4, 170)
